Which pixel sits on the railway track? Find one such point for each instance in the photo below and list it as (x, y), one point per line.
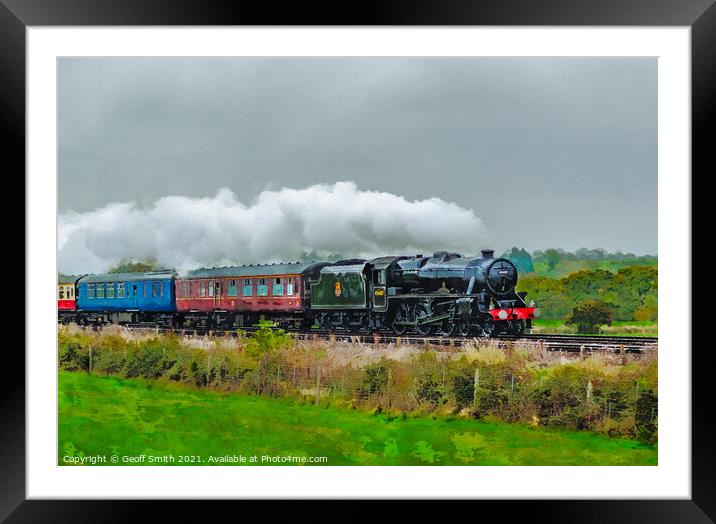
(549, 342)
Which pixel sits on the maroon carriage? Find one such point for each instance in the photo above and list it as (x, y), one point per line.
(228, 297)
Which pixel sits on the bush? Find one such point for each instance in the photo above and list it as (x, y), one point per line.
(464, 388)
(589, 315)
(375, 378)
(267, 341)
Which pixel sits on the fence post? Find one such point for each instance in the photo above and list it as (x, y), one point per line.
(258, 377)
(477, 385)
(622, 353)
(390, 380)
(318, 384)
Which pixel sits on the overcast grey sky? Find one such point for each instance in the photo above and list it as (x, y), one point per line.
(547, 152)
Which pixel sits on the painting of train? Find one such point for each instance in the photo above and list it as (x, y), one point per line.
(444, 294)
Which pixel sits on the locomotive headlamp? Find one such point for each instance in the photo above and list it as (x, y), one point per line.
(502, 315)
(537, 312)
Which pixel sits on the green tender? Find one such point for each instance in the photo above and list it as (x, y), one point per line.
(339, 287)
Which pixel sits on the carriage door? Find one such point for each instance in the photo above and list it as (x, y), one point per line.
(379, 298)
(217, 294)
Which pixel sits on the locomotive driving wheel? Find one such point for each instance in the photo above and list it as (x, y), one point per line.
(423, 311)
(402, 314)
(465, 329)
(448, 327)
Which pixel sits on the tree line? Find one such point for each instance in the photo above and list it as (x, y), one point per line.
(629, 294)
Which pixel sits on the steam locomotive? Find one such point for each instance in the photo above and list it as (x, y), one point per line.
(444, 294)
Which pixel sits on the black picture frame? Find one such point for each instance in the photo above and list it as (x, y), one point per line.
(699, 15)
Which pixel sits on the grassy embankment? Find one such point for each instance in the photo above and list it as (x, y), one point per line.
(108, 415)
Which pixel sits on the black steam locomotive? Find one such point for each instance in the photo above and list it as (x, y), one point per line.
(443, 294)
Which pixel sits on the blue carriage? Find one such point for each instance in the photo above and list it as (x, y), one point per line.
(127, 297)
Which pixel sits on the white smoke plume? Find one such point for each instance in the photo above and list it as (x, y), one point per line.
(187, 233)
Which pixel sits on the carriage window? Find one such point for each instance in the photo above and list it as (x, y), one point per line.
(100, 290)
(120, 290)
(277, 287)
(211, 289)
(161, 288)
(202, 289)
(246, 289)
(144, 289)
(233, 290)
(90, 290)
(62, 293)
(261, 287)
(289, 286)
(110, 290)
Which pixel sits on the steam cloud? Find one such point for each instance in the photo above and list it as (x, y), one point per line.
(186, 233)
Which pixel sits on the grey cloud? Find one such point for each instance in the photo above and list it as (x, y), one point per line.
(555, 152)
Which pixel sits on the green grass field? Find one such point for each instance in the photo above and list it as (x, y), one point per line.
(104, 416)
(619, 328)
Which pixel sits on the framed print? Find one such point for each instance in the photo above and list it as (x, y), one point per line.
(417, 258)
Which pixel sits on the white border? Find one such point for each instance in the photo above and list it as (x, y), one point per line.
(671, 478)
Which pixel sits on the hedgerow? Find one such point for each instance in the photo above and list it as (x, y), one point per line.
(513, 385)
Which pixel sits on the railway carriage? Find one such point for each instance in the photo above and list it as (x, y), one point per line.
(66, 298)
(127, 298)
(227, 297)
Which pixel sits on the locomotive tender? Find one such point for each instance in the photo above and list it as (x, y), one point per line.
(445, 294)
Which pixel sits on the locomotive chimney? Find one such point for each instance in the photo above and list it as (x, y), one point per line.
(488, 253)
